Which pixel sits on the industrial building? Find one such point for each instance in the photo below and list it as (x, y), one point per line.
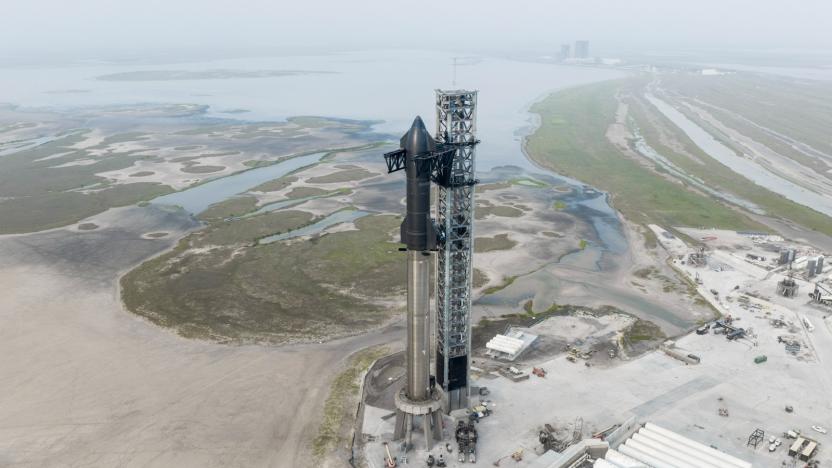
(655, 446)
(803, 448)
(510, 345)
(581, 49)
(565, 51)
(787, 256)
(651, 446)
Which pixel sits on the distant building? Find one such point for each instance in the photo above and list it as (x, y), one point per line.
(565, 51)
(611, 61)
(581, 49)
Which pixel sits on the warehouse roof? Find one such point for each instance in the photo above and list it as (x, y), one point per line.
(655, 447)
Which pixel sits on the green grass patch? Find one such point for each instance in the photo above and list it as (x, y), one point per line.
(234, 206)
(507, 281)
(197, 169)
(572, 141)
(642, 331)
(343, 394)
(645, 273)
(347, 175)
(656, 130)
(490, 244)
(219, 284)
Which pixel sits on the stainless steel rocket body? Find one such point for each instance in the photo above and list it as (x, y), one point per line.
(418, 325)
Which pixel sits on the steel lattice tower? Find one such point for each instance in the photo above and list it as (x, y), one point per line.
(456, 126)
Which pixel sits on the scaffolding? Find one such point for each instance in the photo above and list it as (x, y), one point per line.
(456, 113)
(822, 295)
(756, 438)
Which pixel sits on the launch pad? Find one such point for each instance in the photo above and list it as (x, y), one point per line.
(429, 411)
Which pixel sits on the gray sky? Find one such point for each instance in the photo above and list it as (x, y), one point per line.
(85, 26)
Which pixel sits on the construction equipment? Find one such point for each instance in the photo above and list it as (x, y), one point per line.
(478, 412)
(547, 437)
(389, 462)
(466, 439)
(517, 455)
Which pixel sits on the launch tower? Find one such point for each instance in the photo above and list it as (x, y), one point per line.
(456, 128)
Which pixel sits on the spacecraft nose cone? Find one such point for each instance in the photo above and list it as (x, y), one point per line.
(417, 140)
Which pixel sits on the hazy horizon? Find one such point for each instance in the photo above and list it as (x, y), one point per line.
(106, 29)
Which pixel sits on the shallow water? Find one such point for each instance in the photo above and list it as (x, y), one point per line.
(649, 152)
(196, 199)
(343, 216)
(20, 146)
(745, 167)
(388, 86)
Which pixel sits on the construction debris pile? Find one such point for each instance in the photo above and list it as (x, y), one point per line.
(698, 258)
